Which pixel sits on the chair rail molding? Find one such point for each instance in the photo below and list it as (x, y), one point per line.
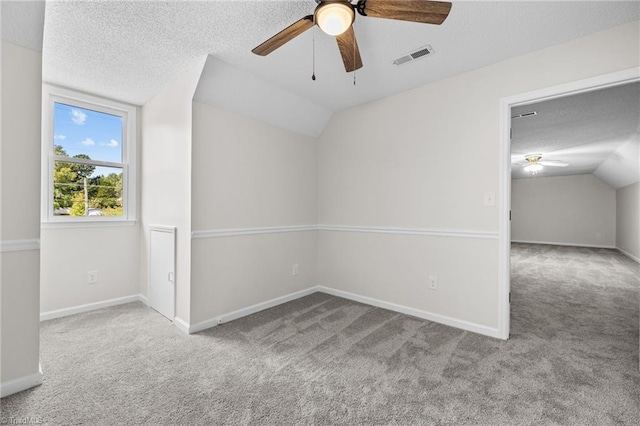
(19, 245)
(412, 231)
(234, 232)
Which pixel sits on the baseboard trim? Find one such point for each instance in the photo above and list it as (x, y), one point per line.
(45, 316)
(187, 328)
(221, 319)
(629, 255)
(549, 243)
(20, 384)
(19, 245)
(181, 324)
(441, 319)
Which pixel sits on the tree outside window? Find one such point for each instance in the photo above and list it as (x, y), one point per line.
(88, 168)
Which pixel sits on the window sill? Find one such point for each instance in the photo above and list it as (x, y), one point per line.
(87, 224)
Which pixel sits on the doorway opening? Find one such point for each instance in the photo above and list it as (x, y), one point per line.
(522, 107)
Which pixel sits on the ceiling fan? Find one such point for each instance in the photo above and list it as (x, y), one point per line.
(336, 17)
(534, 163)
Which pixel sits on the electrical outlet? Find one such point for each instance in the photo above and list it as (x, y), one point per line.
(294, 269)
(598, 235)
(92, 277)
(433, 282)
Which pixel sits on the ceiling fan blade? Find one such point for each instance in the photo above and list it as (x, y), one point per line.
(427, 12)
(284, 36)
(552, 163)
(348, 46)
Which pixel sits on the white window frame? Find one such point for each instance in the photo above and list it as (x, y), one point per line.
(53, 94)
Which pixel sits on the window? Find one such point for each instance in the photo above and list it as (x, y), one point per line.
(89, 147)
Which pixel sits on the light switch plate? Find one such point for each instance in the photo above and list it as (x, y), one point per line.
(489, 199)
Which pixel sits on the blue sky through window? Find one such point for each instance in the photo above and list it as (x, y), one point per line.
(83, 131)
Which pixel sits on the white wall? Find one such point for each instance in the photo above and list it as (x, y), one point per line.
(423, 159)
(69, 253)
(248, 174)
(628, 219)
(21, 97)
(573, 210)
(166, 179)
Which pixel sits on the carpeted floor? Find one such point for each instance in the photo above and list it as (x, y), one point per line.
(322, 360)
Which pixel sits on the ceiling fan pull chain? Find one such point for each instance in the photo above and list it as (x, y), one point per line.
(313, 48)
(355, 52)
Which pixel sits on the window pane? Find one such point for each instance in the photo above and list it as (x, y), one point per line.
(86, 190)
(83, 133)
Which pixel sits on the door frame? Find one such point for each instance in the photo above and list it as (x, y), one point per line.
(586, 85)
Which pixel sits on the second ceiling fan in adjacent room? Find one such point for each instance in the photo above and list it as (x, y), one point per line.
(534, 163)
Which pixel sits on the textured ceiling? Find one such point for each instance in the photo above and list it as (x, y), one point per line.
(594, 132)
(129, 50)
(23, 23)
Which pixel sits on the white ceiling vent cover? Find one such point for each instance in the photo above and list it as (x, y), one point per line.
(525, 114)
(420, 52)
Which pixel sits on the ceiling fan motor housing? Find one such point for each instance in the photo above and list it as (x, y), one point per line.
(533, 158)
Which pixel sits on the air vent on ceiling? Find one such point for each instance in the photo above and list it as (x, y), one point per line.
(416, 54)
(525, 114)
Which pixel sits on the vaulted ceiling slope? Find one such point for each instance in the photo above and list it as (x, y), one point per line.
(226, 87)
(129, 50)
(594, 132)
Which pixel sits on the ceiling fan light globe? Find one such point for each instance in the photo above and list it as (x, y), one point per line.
(334, 18)
(533, 168)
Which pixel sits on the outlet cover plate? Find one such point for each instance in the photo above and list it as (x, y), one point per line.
(433, 282)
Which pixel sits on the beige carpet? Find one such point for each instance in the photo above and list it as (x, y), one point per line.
(322, 360)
